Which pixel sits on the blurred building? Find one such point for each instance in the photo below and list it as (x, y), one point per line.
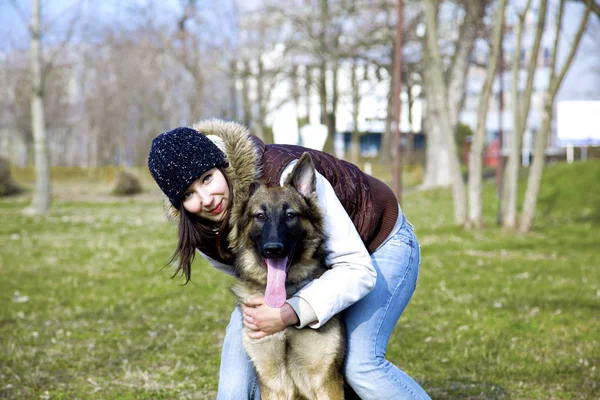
(279, 77)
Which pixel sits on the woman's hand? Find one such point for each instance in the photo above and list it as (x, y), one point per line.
(263, 320)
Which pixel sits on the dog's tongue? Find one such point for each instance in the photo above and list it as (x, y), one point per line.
(275, 294)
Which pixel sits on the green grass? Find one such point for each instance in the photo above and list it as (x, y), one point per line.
(495, 315)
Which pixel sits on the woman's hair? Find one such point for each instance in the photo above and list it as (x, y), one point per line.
(193, 229)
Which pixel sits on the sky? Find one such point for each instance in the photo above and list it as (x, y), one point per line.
(16, 14)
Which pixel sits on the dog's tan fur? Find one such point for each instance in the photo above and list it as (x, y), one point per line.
(294, 363)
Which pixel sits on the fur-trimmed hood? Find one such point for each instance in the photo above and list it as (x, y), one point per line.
(243, 153)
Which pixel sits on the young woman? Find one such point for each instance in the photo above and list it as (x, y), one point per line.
(205, 174)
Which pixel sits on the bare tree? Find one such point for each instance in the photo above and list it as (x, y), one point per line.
(265, 63)
(41, 198)
(556, 79)
(397, 68)
(445, 99)
(521, 107)
(317, 36)
(40, 69)
(439, 158)
(475, 159)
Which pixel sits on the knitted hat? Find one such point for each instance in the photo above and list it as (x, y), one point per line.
(178, 157)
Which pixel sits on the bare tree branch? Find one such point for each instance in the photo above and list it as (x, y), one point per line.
(556, 37)
(60, 15)
(539, 158)
(594, 6)
(49, 64)
(20, 11)
(533, 61)
(475, 174)
(573, 49)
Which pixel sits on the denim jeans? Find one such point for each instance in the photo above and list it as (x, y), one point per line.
(369, 324)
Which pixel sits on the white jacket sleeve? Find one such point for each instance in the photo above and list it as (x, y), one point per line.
(351, 276)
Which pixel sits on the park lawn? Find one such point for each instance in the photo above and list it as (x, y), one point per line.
(495, 316)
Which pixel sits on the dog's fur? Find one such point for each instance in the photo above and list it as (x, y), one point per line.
(276, 223)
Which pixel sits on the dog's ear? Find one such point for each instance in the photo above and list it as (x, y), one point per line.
(303, 176)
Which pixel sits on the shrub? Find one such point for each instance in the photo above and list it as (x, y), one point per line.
(8, 186)
(127, 184)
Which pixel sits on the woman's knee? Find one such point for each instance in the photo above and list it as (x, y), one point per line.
(358, 367)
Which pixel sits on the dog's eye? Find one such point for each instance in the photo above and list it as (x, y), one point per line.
(290, 215)
(260, 216)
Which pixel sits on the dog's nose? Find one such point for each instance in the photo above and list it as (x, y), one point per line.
(273, 249)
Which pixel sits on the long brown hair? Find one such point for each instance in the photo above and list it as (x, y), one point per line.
(194, 233)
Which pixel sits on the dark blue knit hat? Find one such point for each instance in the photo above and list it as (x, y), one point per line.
(178, 157)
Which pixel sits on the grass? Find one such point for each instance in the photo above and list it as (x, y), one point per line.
(495, 315)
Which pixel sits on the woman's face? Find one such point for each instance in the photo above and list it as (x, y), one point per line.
(208, 196)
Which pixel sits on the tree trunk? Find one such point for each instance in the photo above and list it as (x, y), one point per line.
(233, 77)
(259, 121)
(396, 105)
(41, 198)
(410, 138)
(308, 90)
(323, 91)
(331, 117)
(468, 33)
(438, 159)
(520, 115)
(475, 162)
(535, 173)
(295, 88)
(439, 97)
(355, 146)
(246, 105)
(385, 155)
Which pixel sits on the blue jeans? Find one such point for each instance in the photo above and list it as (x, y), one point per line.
(369, 324)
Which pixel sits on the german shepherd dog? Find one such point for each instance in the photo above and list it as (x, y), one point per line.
(281, 247)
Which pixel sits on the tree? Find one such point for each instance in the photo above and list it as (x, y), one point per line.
(40, 68)
(556, 78)
(439, 158)
(41, 197)
(355, 85)
(445, 98)
(438, 94)
(475, 161)
(521, 106)
(397, 68)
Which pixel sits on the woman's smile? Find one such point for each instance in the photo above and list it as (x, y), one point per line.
(217, 209)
